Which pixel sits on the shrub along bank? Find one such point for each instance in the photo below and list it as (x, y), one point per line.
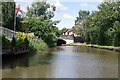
(23, 39)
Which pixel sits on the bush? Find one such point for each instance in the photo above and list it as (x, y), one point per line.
(19, 42)
(116, 38)
(51, 40)
(23, 36)
(39, 45)
(119, 49)
(5, 41)
(13, 43)
(26, 41)
(22, 39)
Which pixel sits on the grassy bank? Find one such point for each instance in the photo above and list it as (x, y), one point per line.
(94, 46)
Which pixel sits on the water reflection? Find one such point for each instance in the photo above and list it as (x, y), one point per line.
(26, 60)
(63, 62)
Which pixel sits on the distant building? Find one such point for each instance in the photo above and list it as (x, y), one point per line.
(68, 32)
(69, 36)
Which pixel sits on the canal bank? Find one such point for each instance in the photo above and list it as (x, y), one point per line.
(112, 48)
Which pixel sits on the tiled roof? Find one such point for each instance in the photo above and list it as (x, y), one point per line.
(68, 30)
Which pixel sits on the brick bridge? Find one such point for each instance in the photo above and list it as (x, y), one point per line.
(66, 39)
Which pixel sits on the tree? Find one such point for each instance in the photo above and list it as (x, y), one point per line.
(100, 27)
(40, 23)
(8, 12)
(43, 30)
(0, 13)
(116, 40)
(19, 26)
(40, 9)
(62, 30)
(82, 15)
(108, 14)
(80, 23)
(51, 40)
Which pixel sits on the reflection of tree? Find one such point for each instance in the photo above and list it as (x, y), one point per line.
(35, 65)
(83, 49)
(108, 61)
(105, 61)
(40, 58)
(15, 61)
(119, 66)
(26, 60)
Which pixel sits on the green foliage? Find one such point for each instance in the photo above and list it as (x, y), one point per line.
(19, 42)
(40, 9)
(13, 43)
(24, 27)
(100, 27)
(0, 12)
(82, 15)
(5, 41)
(26, 41)
(40, 23)
(43, 30)
(80, 23)
(119, 49)
(19, 25)
(59, 32)
(116, 27)
(62, 30)
(40, 45)
(51, 40)
(8, 10)
(22, 39)
(23, 36)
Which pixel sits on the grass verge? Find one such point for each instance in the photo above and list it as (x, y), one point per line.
(94, 46)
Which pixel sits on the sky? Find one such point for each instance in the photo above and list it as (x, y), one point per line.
(66, 10)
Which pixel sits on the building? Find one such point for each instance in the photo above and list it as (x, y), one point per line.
(68, 32)
(69, 36)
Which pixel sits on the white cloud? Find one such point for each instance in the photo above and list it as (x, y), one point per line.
(100, 1)
(67, 16)
(88, 5)
(93, 7)
(59, 6)
(84, 4)
(59, 0)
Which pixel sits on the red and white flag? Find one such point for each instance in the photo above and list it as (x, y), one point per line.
(18, 10)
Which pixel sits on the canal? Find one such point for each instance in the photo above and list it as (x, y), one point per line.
(63, 62)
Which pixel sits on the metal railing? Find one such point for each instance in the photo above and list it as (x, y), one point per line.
(10, 33)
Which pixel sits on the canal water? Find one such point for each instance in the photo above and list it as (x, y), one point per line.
(63, 62)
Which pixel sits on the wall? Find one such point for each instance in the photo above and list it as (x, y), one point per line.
(68, 41)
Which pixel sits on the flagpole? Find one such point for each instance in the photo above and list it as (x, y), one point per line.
(15, 19)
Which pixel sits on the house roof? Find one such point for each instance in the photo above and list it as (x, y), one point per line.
(68, 30)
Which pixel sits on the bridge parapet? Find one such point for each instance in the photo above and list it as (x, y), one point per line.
(69, 37)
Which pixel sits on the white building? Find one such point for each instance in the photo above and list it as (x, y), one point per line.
(68, 32)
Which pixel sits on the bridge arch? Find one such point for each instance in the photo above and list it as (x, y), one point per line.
(60, 42)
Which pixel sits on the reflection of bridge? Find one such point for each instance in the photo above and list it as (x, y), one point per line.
(66, 39)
